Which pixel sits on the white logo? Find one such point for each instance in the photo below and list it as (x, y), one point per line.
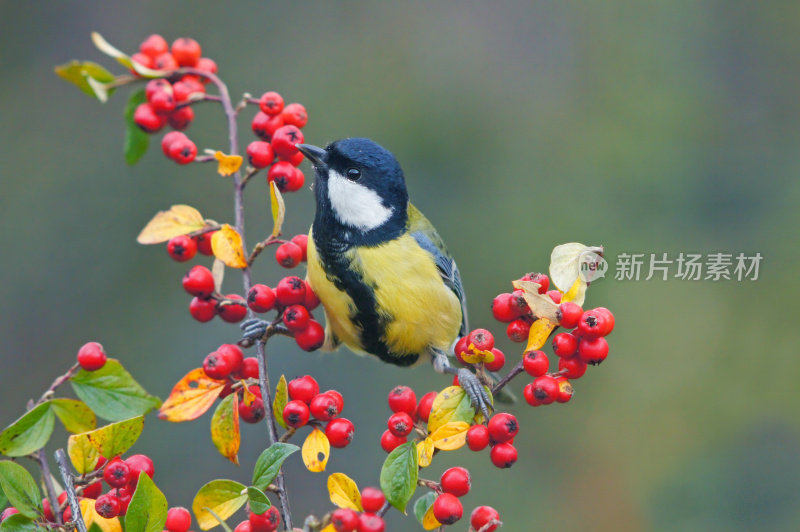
(591, 266)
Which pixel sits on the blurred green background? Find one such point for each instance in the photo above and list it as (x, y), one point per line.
(646, 127)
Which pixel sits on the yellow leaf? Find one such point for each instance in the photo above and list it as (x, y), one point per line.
(191, 397)
(316, 450)
(539, 333)
(425, 452)
(452, 404)
(225, 428)
(576, 294)
(278, 208)
(429, 521)
(227, 247)
(475, 355)
(540, 304)
(279, 403)
(450, 436)
(228, 164)
(344, 492)
(178, 220)
(329, 528)
(82, 453)
(90, 517)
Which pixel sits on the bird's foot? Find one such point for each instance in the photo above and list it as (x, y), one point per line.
(253, 329)
(477, 394)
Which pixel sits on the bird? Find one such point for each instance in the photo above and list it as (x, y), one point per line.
(387, 283)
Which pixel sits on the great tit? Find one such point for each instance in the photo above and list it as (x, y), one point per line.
(386, 281)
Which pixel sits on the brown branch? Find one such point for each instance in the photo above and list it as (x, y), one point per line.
(50, 489)
(505, 380)
(48, 394)
(72, 497)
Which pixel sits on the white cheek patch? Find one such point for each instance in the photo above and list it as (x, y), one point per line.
(356, 205)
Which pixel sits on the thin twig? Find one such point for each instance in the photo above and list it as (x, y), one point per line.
(505, 380)
(72, 497)
(56, 383)
(263, 245)
(48, 484)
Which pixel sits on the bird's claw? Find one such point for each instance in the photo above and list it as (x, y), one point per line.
(253, 329)
(475, 391)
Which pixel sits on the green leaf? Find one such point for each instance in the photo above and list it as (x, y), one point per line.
(257, 499)
(422, 505)
(112, 393)
(225, 428)
(28, 433)
(74, 414)
(94, 527)
(270, 462)
(19, 523)
(114, 439)
(147, 511)
(399, 475)
(3, 499)
(20, 488)
(136, 140)
(80, 72)
(222, 497)
(279, 403)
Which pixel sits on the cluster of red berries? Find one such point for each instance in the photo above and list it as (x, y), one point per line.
(347, 520)
(91, 356)
(454, 483)
(278, 128)
(513, 309)
(266, 522)
(406, 412)
(306, 402)
(184, 247)
(479, 340)
(498, 434)
(168, 99)
(228, 363)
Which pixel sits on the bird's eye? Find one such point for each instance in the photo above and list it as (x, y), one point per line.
(353, 174)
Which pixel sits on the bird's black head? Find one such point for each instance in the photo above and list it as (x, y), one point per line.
(360, 190)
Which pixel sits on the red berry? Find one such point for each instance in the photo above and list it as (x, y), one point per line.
(203, 310)
(540, 278)
(447, 509)
(389, 441)
(108, 506)
(310, 301)
(182, 90)
(593, 350)
(163, 102)
(460, 349)
(290, 290)
(289, 254)
(425, 405)
(456, 481)
(403, 399)
(481, 339)
(324, 407)
(564, 345)
(344, 520)
(294, 159)
(482, 516)
(477, 437)
(503, 309)
(249, 368)
(8, 512)
(565, 390)
(154, 86)
(178, 519)
(217, 366)
(545, 389)
(340, 432)
(372, 499)
(182, 151)
(147, 119)
(311, 338)
(181, 118)
(338, 398)
(370, 523)
(199, 282)
(400, 424)
(296, 317)
(303, 388)
(555, 295)
(569, 314)
(609, 318)
(285, 139)
(206, 64)
(302, 242)
(244, 526)
(295, 114)
(296, 413)
(282, 173)
(181, 248)
(261, 298)
(573, 367)
(93, 490)
(165, 61)
(503, 455)
(264, 126)
(47, 510)
(232, 312)
(260, 154)
(204, 243)
(498, 362)
(517, 330)
(594, 323)
(271, 103)
(91, 356)
(252, 413)
(503, 427)
(291, 182)
(154, 45)
(266, 522)
(139, 463)
(186, 51)
(169, 138)
(530, 395)
(233, 354)
(535, 363)
(117, 473)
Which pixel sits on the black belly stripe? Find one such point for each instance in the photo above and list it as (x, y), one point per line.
(366, 317)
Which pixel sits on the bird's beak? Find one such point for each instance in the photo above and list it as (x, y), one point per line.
(315, 155)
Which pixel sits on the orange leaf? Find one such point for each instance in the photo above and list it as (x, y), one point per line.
(228, 164)
(178, 220)
(539, 333)
(191, 397)
(227, 247)
(225, 428)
